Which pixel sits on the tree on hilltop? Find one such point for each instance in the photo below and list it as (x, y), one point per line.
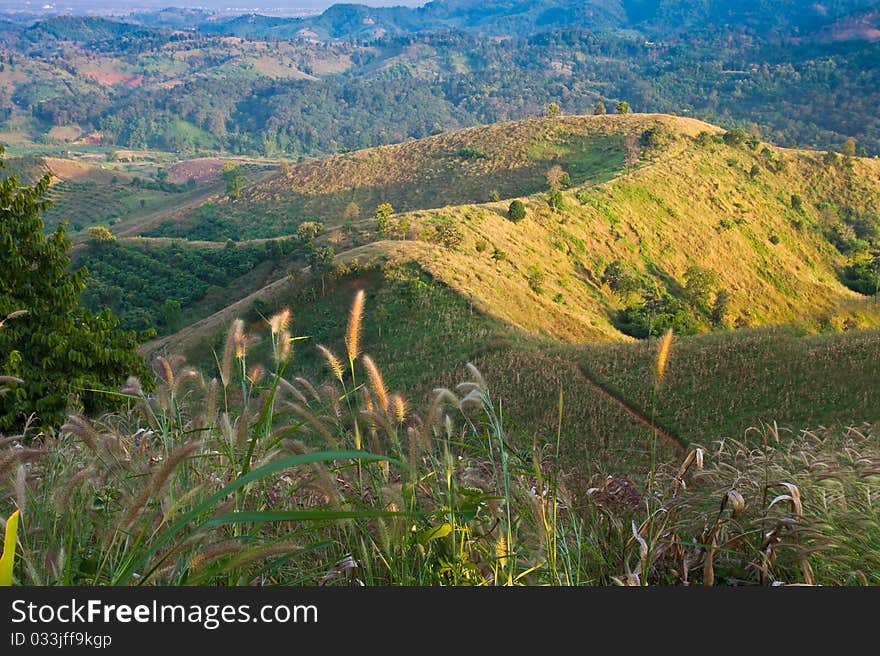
(517, 211)
(63, 355)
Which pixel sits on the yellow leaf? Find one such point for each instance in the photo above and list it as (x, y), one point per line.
(9, 542)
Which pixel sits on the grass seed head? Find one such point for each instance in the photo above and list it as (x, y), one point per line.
(663, 353)
(332, 362)
(279, 321)
(355, 319)
(377, 382)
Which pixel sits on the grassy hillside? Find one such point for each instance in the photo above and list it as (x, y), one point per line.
(466, 166)
(760, 222)
(421, 334)
(694, 230)
(532, 302)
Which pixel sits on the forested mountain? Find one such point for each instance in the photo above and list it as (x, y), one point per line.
(357, 77)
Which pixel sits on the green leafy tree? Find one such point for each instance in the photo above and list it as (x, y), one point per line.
(517, 211)
(698, 284)
(308, 231)
(599, 108)
(65, 355)
(556, 200)
(735, 137)
(720, 308)
(558, 178)
(849, 147)
(553, 110)
(536, 279)
(322, 259)
(234, 178)
(621, 278)
(100, 235)
(171, 315)
(383, 216)
(622, 108)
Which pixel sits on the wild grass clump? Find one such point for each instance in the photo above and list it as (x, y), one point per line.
(791, 511)
(259, 476)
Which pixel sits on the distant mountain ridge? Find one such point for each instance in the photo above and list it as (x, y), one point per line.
(654, 18)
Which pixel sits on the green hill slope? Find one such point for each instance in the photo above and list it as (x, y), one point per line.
(551, 302)
(692, 215)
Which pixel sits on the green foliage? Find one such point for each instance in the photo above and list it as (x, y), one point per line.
(444, 231)
(655, 314)
(383, 216)
(720, 308)
(699, 282)
(655, 138)
(552, 110)
(536, 278)
(100, 234)
(620, 277)
(469, 152)
(308, 231)
(235, 179)
(171, 315)
(686, 309)
(863, 274)
(134, 281)
(735, 137)
(622, 108)
(60, 350)
(516, 212)
(322, 259)
(556, 200)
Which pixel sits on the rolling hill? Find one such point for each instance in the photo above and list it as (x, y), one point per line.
(763, 219)
(700, 213)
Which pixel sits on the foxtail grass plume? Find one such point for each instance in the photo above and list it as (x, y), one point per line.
(398, 405)
(239, 339)
(165, 370)
(13, 315)
(230, 350)
(332, 362)
(283, 346)
(376, 381)
(355, 318)
(279, 321)
(663, 353)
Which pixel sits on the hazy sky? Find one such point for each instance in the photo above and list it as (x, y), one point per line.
(290, 7)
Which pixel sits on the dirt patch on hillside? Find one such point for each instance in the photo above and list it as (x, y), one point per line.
(115, 78)
(206, 169)
(65, 132)
(65, 169)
